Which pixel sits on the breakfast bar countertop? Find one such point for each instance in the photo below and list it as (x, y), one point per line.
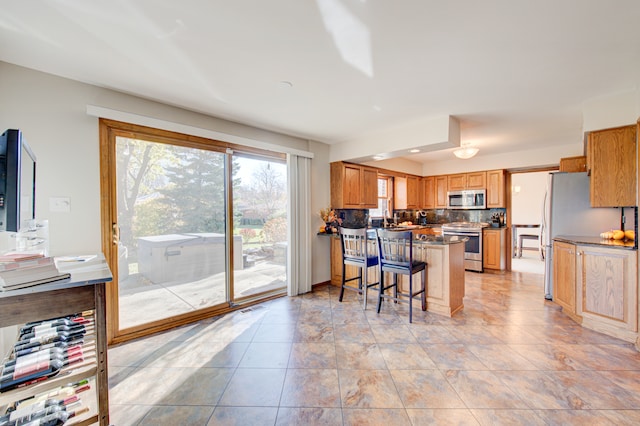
(434, 240)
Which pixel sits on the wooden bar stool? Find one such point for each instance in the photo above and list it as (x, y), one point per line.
(395, 252)
(355, 252)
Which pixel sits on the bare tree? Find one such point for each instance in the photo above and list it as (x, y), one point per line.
(267, 189)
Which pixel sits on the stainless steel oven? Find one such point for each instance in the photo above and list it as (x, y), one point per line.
(473, 246)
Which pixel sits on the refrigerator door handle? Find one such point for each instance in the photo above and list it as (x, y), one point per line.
(543, 226)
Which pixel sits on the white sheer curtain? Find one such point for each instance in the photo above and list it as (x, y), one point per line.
(299, 254)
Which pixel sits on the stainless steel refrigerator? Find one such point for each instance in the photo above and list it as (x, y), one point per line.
(567, 211)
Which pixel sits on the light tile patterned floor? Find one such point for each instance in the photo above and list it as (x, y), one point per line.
(509, 358)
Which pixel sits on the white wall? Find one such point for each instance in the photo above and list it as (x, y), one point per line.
(511, 160)
(427, 134)
(520, 159)
(398, 165)
(604, 112)
(526, 205)
(51, 111)
(615, 110)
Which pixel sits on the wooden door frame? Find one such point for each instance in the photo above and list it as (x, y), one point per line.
(509, 200)
(108, 130)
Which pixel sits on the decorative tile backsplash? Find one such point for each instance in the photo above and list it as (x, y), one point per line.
(441, 216)
(357, 218)
(353, 218)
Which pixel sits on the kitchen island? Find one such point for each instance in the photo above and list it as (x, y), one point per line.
(445, 270)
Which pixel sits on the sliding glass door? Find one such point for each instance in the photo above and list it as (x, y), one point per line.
(260, 225)
(171, 214)
(191, 227)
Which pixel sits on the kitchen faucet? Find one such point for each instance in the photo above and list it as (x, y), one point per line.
(385, 222)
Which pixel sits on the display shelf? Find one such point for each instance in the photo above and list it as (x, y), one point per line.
(68, 374)
(84, 292)
(90, 417)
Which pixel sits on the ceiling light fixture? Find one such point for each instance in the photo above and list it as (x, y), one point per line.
(413, 151)
(378, 157)
(465, 151)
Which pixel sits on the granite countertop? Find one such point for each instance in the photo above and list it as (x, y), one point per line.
(596, 241)
(439, 240)
(408, 227)
(434, 240)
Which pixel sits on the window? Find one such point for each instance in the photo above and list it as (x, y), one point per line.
(385, 194)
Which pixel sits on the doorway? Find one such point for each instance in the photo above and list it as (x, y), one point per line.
(192, 227)
(527, 197)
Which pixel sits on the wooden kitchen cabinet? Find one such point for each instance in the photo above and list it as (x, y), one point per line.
(607, 290)
(336, 263)
(611, 158)
(564, 277)
(445, 277)
(441, 192)
(494, 248)
(573, 164)
(475, 180)
(496, 189)
(414, 198)
(353, 186)
(406, 192)
(352, 271)
(428, 192)
(370, 187)
(456, 182)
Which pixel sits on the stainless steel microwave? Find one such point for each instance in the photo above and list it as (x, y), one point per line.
(467, 199)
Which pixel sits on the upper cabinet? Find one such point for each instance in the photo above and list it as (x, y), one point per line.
(456, 182)
(475, 180)
(441, 192)
(495, 189)
(429, 192)
(353, 186)
(573, 164)
(407, 191)
(434, 194)
(611, 159)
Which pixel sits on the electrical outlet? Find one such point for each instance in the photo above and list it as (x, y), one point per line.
(60, 204)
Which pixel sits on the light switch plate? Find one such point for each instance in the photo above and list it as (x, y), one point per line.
(60, 204)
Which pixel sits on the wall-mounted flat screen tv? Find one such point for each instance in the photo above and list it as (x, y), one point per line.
(17, 182)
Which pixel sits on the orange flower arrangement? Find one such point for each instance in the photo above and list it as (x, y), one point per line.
(330, 217)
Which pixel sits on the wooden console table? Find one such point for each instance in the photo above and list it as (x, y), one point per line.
(85, 291)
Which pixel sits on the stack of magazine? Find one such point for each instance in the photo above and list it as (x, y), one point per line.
(19, 270)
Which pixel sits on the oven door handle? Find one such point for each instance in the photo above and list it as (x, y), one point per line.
(466, 234)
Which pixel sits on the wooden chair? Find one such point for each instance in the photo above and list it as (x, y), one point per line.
(355, 252)
(395, 253)
(523, 237)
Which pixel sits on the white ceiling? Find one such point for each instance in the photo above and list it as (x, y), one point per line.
(515, 73)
